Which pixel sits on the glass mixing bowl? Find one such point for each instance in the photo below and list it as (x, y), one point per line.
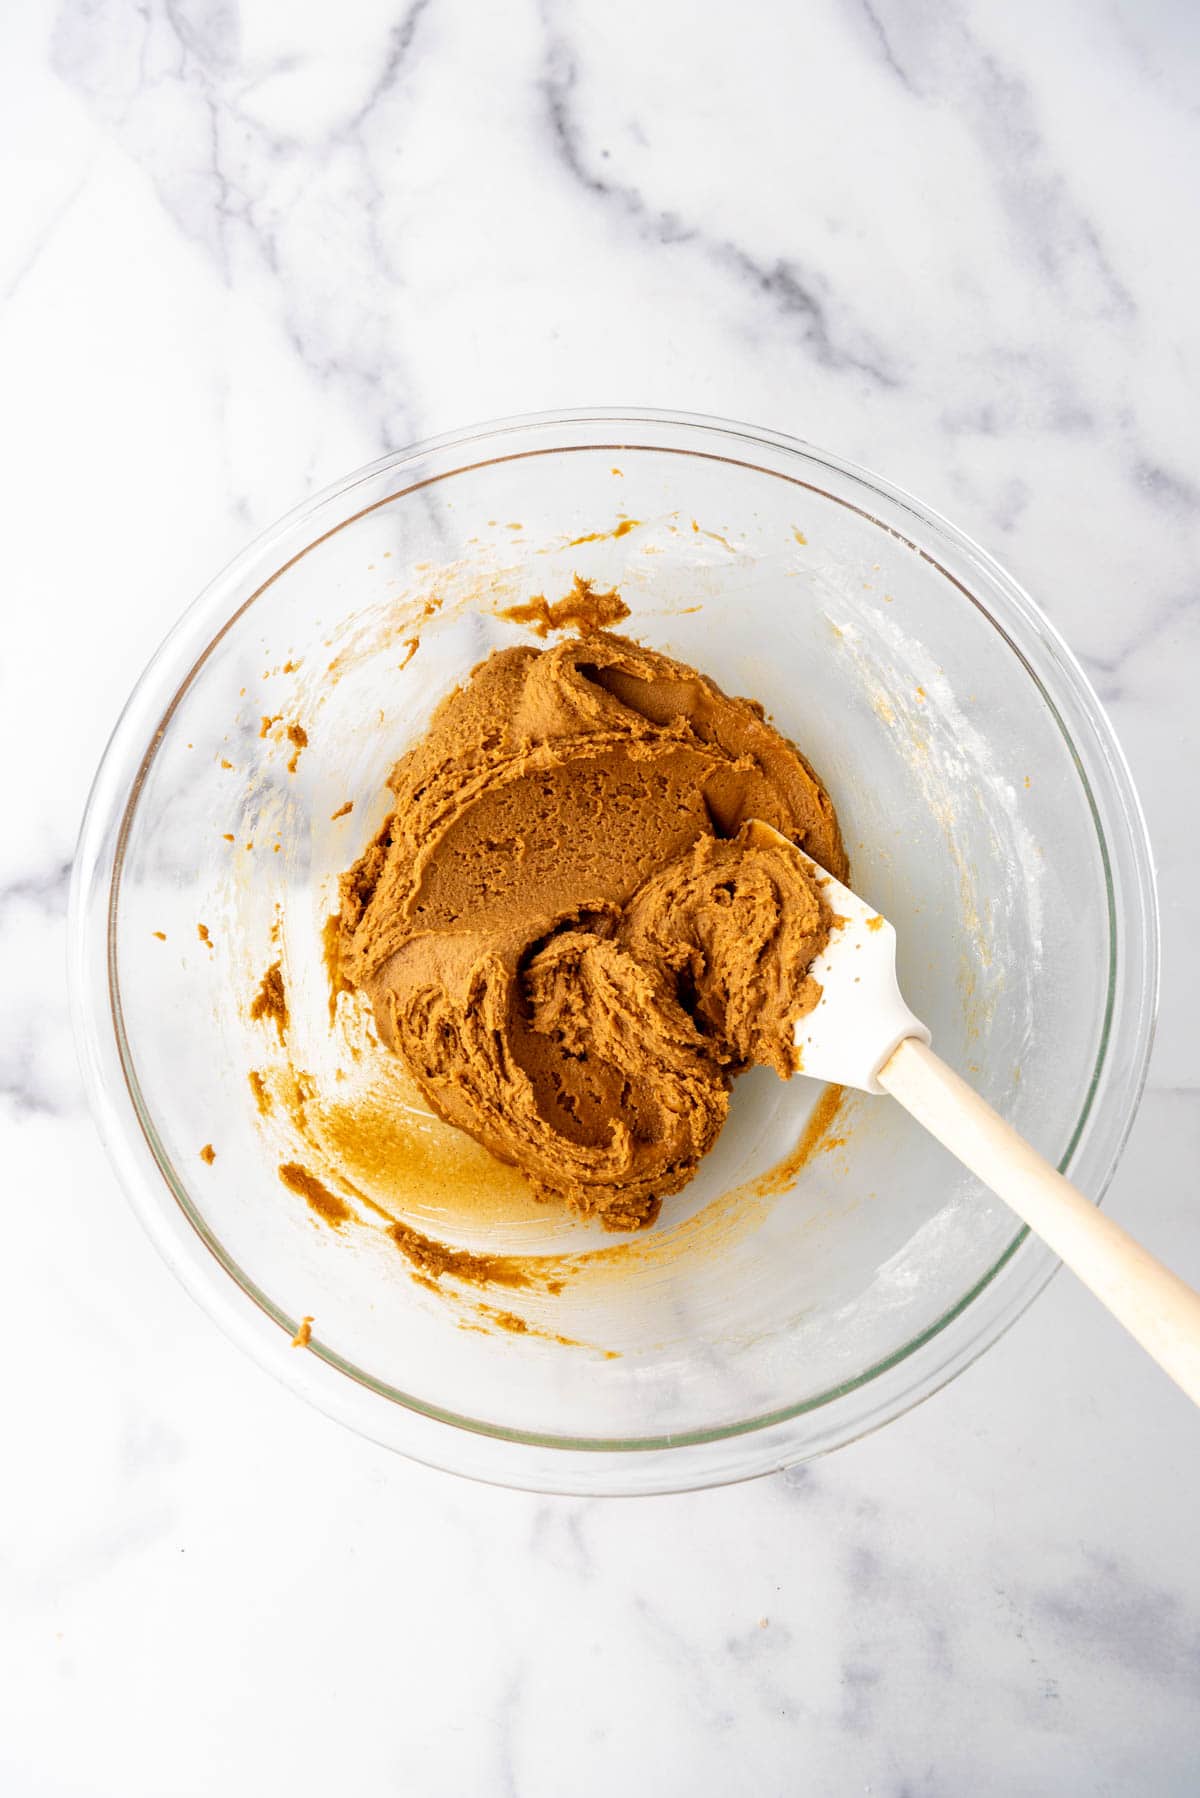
(827, 1268)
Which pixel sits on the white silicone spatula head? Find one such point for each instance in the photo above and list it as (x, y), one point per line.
(861, 1033)
(860, 1017)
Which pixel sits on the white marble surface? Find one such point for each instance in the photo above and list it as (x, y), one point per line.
(246, 247)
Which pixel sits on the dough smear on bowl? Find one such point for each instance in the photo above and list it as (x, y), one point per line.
(567, 931)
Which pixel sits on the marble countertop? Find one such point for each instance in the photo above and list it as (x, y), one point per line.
(247, 247)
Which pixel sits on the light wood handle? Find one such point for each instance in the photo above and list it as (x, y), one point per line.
(1157, 1308)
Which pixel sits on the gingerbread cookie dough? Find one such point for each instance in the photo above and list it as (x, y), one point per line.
(567, 926)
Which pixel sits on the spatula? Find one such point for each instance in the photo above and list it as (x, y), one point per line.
(861, 1033)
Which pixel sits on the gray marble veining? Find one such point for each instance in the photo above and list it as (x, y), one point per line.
(248, 247)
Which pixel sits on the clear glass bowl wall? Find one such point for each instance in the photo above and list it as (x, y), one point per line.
(987, 811)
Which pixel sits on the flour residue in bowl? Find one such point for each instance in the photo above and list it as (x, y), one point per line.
(954, 771)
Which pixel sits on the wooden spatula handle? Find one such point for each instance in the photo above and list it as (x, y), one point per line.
(1157, 1308)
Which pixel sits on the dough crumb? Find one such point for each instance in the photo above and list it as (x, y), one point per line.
(297, 736)
(315, 1193)
(583, 609)
(270, 1001)
(435, 1259)
(303, 1335)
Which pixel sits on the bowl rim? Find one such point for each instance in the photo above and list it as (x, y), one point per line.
(469, 1446)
